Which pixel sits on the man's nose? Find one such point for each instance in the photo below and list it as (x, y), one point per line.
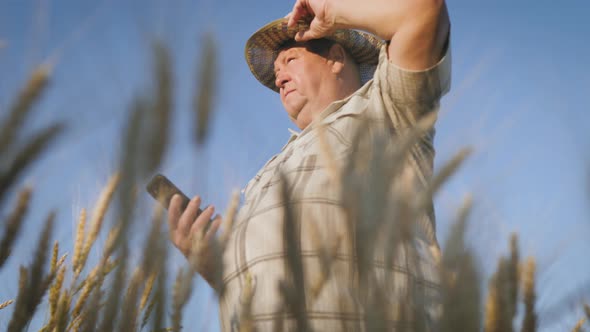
(281, 79)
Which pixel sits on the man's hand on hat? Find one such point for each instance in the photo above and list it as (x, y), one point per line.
(314, 12)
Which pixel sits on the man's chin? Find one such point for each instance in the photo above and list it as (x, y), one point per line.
(302, 120)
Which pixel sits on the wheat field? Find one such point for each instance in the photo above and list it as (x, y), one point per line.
(118, 293)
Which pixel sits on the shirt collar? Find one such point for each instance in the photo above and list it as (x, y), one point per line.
(294, 135)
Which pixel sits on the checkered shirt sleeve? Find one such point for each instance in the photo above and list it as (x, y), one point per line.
(255, 259)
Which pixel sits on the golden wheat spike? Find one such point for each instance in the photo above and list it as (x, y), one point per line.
(149, 284)
(529, 321)
(61, 260)
(92, 311)
(79, 242)
(445, 172)
(14, 223)
(101, 207)
(92, 275)
(62, 318)
(54, 296)
(76, 323)
(5, 304)
(89, 284)
(148, 312)
(98, 217)
(247, 294)
(492, 316)
(578, 327)
(110, 243)
(229, 219)
(55, 252)
(55, 290)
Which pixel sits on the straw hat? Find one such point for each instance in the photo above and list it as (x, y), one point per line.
(262, 49)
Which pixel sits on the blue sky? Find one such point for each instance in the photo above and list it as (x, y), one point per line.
(519, 98)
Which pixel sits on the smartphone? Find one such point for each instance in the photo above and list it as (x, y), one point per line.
(162, 189)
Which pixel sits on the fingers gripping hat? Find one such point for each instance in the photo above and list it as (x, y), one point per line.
(263, 47)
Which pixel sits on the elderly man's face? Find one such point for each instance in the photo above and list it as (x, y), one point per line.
(299, 76)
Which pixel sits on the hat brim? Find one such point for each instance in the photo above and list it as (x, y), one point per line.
(262, 49)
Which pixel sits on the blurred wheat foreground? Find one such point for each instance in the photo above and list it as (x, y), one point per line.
(121, 294)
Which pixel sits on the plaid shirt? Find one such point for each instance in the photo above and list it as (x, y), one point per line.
(395, 99)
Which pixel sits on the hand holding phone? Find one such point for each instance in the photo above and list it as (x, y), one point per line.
(186, 223)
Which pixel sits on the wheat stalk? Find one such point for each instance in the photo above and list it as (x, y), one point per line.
(513, 278)
(180, 290)
(448, 169)
(160, 301)
(295, 301)
(21, 107)
(148, 312)
(228, 221)
(529, 321)
(161, 109)
(578, 327)
(113, 309)
(246, 296)
(54, 292)
(460, 279)
(129, 308)
(79, 242)
(204, 97)
(97, 220)
(5, 304)
(492, 310)
(63, 312)
(89, 284)
(14, 223)
(332, 168)
(35, 284)
(149, 284)
(26, 155)
(53, 262)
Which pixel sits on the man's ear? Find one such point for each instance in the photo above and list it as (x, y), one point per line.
(337, 57)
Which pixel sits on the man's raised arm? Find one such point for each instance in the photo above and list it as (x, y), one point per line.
(417, 29)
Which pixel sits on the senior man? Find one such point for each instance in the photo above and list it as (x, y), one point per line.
(335, 64)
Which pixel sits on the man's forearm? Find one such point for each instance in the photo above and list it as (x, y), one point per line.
(417, 29)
